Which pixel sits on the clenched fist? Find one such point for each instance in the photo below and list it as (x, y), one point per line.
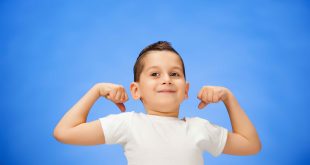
(116, 93)
(211, 94)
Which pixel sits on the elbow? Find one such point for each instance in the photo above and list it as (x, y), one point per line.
(59, 135)
(259, 147)
(255, 149)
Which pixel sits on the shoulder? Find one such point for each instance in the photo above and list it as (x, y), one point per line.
(124, 117)
(118, 117)
(197, 120)
(202, 123)
(122, 114)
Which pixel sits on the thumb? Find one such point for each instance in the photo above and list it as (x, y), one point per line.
(202, 105)
(121, 106)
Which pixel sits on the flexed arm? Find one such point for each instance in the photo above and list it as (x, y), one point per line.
(73, 128)
(243, 140)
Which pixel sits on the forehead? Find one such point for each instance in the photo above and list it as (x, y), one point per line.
(160, 59)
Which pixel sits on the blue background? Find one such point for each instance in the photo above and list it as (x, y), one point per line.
(53, 52)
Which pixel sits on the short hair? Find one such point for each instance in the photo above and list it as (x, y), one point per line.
(157, 46)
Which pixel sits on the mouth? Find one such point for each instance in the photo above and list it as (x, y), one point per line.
(166, 91)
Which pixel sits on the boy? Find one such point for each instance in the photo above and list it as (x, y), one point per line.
(159, 137)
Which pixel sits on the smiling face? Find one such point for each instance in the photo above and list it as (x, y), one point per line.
(162, 86)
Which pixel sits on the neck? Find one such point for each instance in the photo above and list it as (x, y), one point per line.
(162, 112)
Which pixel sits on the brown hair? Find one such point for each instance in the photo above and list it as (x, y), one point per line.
(157, 46)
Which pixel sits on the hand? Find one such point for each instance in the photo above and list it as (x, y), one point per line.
(116, 93)
(211, 94)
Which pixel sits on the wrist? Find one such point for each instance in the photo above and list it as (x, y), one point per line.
(101, 89)
(228, 96)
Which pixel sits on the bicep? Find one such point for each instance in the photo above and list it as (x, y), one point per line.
(90, 133)
(238, 145)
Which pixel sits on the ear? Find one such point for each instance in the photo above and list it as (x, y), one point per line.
(134, 90)
(186, 90)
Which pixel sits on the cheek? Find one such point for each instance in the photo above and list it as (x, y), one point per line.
(181, 84)
(147, 86)
(182, 88)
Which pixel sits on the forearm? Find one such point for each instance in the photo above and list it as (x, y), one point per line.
(79, 112)
(240, 122)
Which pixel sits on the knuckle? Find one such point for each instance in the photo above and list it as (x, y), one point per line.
(204, 98)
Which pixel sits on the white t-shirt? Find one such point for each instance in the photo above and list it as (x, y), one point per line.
(158, 140)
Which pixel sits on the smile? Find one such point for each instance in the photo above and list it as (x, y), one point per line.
(167, 91)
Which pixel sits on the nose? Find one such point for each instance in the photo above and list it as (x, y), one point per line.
(166, 79)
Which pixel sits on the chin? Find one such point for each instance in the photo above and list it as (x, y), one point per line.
(167, 103)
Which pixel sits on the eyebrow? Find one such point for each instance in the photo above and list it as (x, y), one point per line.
(156, 67)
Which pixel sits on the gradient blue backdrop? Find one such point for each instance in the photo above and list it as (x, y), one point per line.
(53, 52)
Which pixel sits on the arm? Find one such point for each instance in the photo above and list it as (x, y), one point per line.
(73, 128)
(243, 140)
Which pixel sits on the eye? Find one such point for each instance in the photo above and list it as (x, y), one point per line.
(155, 74)
(175, 74)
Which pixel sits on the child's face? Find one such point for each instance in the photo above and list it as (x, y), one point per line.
(162, 84)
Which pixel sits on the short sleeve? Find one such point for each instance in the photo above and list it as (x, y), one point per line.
(115, 128)
(214, 138)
